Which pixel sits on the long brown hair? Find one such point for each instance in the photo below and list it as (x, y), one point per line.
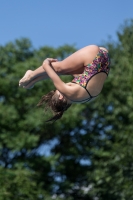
(52, 101)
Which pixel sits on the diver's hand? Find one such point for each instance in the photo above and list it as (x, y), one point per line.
(48, 61)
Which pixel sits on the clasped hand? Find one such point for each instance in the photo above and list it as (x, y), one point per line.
(48, 61)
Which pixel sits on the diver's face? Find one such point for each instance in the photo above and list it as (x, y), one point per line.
(59, 95)
(62, 97)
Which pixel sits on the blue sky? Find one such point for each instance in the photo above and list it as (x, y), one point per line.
(58, 22)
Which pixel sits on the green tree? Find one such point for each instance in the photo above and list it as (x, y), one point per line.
(96, 157)
(112, 158)
(90, 147)
(24, 173)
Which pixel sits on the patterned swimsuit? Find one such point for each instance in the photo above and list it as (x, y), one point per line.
(101, 63)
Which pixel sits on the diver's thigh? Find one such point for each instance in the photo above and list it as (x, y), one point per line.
(79, 59)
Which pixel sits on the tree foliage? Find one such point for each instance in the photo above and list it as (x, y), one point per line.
(89, 153)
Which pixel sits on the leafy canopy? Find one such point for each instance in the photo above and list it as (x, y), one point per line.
(88, 153)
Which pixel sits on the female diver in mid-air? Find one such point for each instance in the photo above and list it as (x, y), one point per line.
(89, 66)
